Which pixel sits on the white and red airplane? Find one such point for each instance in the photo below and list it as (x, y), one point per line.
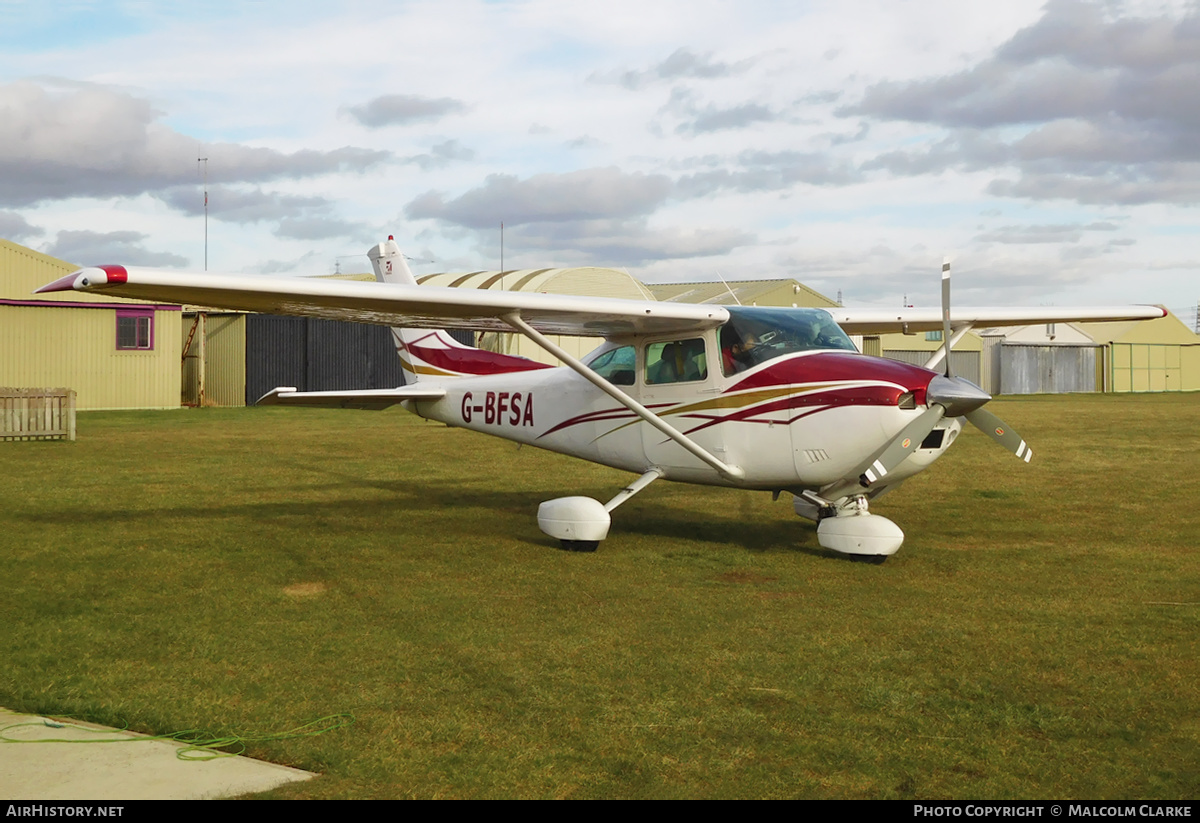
(752, 398)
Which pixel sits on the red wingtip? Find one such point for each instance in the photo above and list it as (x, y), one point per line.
(116, 274)
(113, 275)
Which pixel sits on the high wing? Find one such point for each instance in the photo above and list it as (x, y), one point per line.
(391, 304)
(432, 307)
(886, 321)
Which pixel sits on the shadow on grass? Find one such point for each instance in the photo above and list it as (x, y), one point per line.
(343, 501)
(751, 535)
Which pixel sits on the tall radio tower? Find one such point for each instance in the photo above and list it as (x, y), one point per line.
(204, 160)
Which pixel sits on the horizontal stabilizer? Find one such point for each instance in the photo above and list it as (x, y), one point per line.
(373, 399)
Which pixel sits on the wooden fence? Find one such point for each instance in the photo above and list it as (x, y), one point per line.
(37, 414)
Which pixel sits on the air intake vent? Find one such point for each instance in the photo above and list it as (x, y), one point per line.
(933, 440)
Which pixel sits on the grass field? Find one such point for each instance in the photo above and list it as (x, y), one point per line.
(249, 570)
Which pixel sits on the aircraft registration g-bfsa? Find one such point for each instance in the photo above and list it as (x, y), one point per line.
(752, 398)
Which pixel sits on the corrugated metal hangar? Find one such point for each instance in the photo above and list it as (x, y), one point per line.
(115, 353)
(233, 359)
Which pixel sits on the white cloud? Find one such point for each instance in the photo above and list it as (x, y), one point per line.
(1082, 105)
(403, 110)
(581, 195)
(674, 137)
(91, 248)
(15, 227)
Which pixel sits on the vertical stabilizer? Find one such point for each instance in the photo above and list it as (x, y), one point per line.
(390, 265)
(434, 354)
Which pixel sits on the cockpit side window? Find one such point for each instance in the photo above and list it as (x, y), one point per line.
(676, 361)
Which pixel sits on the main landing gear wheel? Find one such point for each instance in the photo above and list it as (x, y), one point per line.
(579, 545)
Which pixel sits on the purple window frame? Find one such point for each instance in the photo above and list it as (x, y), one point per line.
(135, 315)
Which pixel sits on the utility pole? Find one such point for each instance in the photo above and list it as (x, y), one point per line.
(204, 160)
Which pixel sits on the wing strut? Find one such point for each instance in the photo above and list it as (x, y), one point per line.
(940, 354)
(731, 472)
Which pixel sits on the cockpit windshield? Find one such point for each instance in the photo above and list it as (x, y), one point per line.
(754, 335)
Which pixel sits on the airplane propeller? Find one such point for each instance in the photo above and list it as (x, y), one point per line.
(994, 427)
(947, 396)
(946, 314)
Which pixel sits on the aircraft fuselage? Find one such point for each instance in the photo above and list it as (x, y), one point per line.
(803, 420)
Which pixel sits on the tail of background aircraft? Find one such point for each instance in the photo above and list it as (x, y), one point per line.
(435, 354)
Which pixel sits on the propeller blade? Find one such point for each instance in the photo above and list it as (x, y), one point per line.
(904, 444)
(946, 313)
(994, 427)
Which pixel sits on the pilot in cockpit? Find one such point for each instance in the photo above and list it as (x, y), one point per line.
(737, 353)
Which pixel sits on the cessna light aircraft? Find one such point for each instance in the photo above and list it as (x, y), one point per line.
(751, 398)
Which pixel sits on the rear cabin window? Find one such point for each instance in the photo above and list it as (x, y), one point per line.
(676, 361)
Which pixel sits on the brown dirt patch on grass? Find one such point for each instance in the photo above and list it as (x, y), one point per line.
(304, 589)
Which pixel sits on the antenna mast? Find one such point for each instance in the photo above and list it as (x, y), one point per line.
(204, 160)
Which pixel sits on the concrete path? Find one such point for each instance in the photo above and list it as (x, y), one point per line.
(147, 770)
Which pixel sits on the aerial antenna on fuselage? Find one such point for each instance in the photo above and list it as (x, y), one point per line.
(731, 294)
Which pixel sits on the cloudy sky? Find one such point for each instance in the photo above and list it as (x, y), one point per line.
(1051, 150)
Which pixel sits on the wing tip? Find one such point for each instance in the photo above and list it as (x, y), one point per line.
(88, 277)
(65, 283)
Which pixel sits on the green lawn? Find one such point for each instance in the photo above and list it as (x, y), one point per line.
(249, 570)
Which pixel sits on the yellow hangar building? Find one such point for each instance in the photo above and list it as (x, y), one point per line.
(115, 353)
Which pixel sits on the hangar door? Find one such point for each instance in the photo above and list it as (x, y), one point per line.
(1032, 369)
(1146, 367)
(317, 355)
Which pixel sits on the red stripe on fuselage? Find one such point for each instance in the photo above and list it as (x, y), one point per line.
(834, 398)
(473, 361)
(840, 366)
(615, 413)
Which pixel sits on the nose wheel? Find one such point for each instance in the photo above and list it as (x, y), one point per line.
(849, 528)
